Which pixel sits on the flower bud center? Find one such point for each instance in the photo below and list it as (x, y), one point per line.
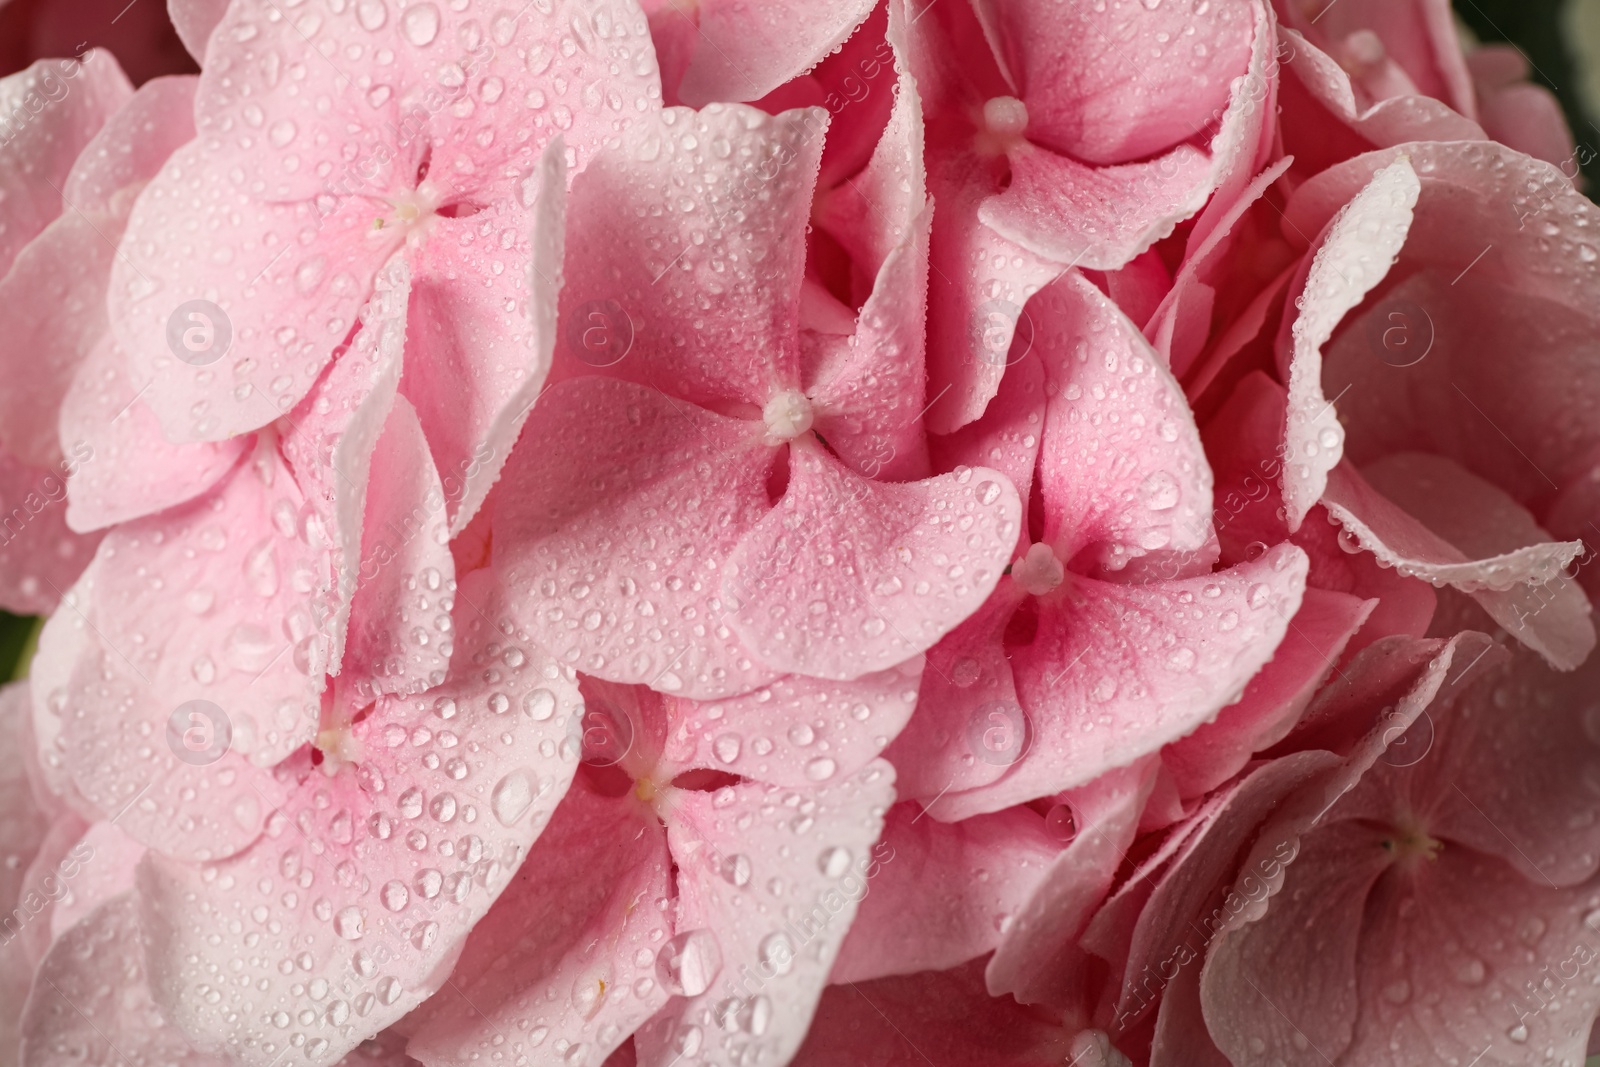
(1038, 571)
(787, 415)
(1006, 117)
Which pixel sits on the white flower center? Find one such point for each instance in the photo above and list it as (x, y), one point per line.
(787, 415)
(1006, 117)
(1038, 571)
(409, 209)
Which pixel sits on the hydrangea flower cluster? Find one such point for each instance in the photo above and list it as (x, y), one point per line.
(816, 532)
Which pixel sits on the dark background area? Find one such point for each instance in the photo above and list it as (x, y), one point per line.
(1534, 26)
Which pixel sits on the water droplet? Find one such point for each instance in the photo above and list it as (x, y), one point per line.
(735, 870)
(349, 924)
(689, 963)
(420, 24)
(834, 862)
(513, 796)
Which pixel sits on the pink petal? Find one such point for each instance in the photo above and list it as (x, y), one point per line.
(632, 300)
(331, 437)
(65, 102)
(40, 557)
(23, 829)
(796, 731)
(335, 888)
(225, 624)
(875, 211)
(1146, 663)
(285, 311)
(1325, 889)
(1121, 469)
(1187, 907)
(607, 586)
(1105, 814)
(1355, 253)
(399, 640)
(942, 1018)
(557, 961)
(968, 676)
(97, 868)
(1084, 97)
(1275, 697)
(774, 877)
(846, 576)
(123, 467)
(744, 52)
(194, 20)
(925, 910)
(1515, 576)
(1417, 35)
(92, 999)
(1449, 1013)
(869, 402)
(479, 347)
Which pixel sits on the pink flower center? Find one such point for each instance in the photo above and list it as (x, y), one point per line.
(1005, 121)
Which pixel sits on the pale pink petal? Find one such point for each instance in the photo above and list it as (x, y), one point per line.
(774, 877)
(55, 107)
(371, 872)
(98, 867)
(582, 531)
(1274, 699)
(92, 999)
(40, 556)
(1516, 575)
(1354, 254)
(123, 467)
(194, 20)
(43, 886)
(938, 1018)
(744, 51)
(1088, 98)
(1121, 469)
(977, 293)
(1105, 815)
(1528, 118)
(329, 441)
(285, 303)
(635, 289)
(1147, 664)
(479, 345)
(399, 639)
(847, 576)
(574, 955)
(925, 910)
(796, 731)
(24, 823)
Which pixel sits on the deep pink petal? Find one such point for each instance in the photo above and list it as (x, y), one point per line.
(609, 586)
(847, 576)
(942, 1018)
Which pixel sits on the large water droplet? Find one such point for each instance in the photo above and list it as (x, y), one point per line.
(513, 795)
(689, 963)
